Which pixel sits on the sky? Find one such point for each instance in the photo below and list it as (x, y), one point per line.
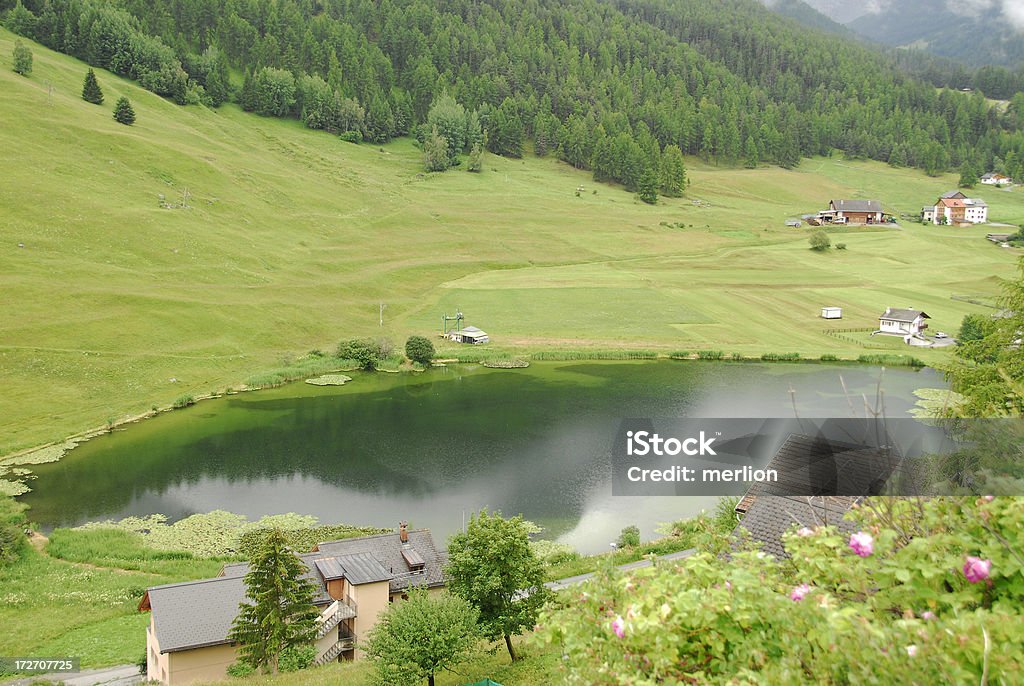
(845, 10)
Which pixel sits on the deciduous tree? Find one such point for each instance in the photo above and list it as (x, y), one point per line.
(421, 637)
(22, 58)
(492, 566)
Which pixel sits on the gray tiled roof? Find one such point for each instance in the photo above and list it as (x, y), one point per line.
(951, 194)
(387, 550)
(195, 614)
(857, 205)
(770, 509)
(897, 314)
(770, 516)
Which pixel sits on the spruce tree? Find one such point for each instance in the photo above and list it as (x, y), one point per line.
(123, 111)
(281, 615)
(91, 91)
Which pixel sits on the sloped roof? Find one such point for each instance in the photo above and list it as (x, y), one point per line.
(897, 314)
(857, 205)
(851, 472)
(952, 202)
(195, 614)
(387, 550)
(952, 194)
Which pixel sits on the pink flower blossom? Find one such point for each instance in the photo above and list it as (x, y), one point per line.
(862, 543)
(911, 650)
(928, 615)
(976, 569)
(804, 532)
(728, 585)
(988, 498)
(619, 627)
(798, 592)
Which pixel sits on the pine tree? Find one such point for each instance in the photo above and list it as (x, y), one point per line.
(91, 91)
(751, 157)
(968, 175)
(281, 616)
(123, 111)
(673, 172)
(22, 58)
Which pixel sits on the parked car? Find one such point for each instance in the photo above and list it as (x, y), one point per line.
(940, 334)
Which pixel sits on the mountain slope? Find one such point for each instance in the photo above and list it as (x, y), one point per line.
(729, 81)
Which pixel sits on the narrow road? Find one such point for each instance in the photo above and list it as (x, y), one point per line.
(121, 675)
(561, 584)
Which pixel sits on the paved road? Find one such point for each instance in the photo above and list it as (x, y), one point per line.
(573, 580)
(121, 675)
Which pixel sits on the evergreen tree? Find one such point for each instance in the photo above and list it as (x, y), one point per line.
(22, 58)
(968, 175)
(91, 91)
(673, 172)
(280, 616)
(751, 157)
(647, 184)
(123, 111)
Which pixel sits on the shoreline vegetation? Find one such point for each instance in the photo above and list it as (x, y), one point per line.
(320, 369)
(117, 560)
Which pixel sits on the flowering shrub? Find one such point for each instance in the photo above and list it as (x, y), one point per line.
(931, 593)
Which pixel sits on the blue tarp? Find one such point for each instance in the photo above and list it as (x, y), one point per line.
(485, 682)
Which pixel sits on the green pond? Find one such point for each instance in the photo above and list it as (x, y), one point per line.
(432, 448)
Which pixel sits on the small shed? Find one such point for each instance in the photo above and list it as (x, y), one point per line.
(473, 336)
(831, 313)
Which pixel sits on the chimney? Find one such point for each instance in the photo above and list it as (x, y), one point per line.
(403, 532)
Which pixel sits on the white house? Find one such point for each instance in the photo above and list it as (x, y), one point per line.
(902, 322)
(955, 209)
(995, 179)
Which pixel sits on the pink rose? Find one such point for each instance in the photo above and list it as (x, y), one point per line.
(798, 592)
(862, 544)
(928, 615)
(619, 627)
(804, 532)
(976, 569)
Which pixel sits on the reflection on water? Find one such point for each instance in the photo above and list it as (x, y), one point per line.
(435, 447)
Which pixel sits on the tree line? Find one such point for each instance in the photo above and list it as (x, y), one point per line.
(613, 87)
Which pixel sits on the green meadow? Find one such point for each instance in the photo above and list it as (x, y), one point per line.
(199, 247)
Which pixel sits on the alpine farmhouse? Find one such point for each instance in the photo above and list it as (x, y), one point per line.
(956, 209)
(356, 579)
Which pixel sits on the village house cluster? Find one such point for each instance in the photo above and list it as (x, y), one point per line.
(956, 209)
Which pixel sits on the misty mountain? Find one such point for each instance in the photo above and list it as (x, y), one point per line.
(975, 32)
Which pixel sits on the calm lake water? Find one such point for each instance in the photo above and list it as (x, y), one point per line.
(438, 446)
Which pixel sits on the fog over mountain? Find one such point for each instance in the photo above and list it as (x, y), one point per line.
(976, 32)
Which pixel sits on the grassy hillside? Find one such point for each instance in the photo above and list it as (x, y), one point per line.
(292, 238)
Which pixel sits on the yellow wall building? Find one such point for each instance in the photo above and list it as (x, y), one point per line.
(356, 580)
